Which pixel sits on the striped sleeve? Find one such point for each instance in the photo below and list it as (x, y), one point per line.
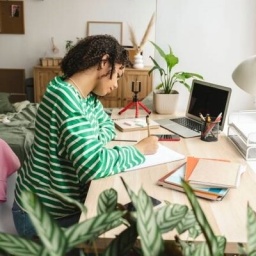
(82, 139)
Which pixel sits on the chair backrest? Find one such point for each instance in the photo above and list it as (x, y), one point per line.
(9, 164)
(6, 220)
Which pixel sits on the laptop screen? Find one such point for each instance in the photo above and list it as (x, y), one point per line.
(207, 98)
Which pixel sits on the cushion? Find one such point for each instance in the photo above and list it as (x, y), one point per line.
(5, 105)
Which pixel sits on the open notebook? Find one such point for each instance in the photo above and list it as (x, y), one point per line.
(163, 155)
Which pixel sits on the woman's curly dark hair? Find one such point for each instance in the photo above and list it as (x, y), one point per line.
(89, 51)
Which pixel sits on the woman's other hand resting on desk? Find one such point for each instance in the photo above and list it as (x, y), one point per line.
(148, 145)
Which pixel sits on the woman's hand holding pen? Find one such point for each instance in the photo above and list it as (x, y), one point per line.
(148, 145)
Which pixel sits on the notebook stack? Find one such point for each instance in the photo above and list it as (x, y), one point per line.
(210, 178)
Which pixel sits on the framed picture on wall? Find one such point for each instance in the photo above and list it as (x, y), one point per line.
(12, 17)
(15, 10)
(106, 27)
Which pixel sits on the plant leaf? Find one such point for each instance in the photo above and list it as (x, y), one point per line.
(168, 216)
(168, 79)
(92, 228)
(107, 201)
(123, 243)
(171, 61)
(148, 230)
(201, 219)
(47, 229)
(18, 246)
(65, 198)
(159, 49)
(189, 223)
(251, 227)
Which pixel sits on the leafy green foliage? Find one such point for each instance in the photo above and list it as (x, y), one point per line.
(169, 216)
(213, 248)
(168, 78)
(124, 242)
(15, 245)
(146, 223)
(51, 234)
(107, 201)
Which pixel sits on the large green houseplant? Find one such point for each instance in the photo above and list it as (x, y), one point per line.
(147, 223)
(169, 78)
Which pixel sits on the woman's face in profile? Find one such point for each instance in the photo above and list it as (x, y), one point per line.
(105, 84)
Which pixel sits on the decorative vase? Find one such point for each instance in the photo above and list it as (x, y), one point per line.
(138, 61)
(165, 103)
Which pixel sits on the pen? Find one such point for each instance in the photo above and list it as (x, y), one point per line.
(126, 140)
(211, 126)
(147, 121)
(201, 116)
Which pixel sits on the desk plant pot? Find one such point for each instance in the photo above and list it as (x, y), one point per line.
(165, 103)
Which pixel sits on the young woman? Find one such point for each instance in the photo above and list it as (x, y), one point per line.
(71, 132)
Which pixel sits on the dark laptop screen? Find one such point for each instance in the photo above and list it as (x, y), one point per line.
(207, 98)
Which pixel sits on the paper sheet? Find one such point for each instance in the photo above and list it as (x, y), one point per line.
(163, 155)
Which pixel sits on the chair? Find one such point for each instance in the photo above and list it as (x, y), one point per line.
(9, 164)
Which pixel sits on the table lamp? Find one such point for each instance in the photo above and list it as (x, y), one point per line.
(244, 75)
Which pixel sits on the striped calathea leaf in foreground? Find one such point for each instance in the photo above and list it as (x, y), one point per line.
(56, 241)
(214, 245)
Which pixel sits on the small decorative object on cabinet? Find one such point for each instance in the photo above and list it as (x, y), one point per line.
(138, 47)
(117, 98)
(138, 61)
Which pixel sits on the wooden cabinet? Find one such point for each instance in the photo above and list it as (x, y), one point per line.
(124, 95)
(42, 76)
(117, 98)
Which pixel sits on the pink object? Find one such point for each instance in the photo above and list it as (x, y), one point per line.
(9, 163)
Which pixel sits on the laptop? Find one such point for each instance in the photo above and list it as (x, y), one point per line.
(205, 98)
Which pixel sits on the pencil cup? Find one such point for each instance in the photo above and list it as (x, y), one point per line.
(210, 131)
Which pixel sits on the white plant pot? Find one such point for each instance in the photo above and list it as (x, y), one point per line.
(165, 103)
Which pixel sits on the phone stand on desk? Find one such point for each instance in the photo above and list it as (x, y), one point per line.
(135, 102)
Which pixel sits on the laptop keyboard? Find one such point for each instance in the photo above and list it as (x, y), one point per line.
(188, 123)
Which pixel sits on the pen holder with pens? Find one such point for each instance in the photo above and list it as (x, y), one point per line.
(210, 131)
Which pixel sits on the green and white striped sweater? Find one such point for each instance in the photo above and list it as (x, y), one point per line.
(69, 149)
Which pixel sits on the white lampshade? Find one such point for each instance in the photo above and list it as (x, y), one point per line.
(244, 75)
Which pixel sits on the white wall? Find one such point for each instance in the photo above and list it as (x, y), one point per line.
(67, 20)
(209, 37)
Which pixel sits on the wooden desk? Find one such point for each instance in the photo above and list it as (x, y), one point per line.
(227, 217)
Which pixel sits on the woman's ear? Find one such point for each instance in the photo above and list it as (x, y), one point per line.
(104, 60)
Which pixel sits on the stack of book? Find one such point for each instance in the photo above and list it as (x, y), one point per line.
(210, 178)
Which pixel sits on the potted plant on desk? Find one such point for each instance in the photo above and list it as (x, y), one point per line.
(165, 98)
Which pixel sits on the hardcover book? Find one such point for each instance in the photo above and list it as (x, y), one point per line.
(213, 173)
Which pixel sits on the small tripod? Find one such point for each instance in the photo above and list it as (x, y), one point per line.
(135, 102)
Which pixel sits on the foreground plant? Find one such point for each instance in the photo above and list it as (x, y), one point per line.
(146, 223)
